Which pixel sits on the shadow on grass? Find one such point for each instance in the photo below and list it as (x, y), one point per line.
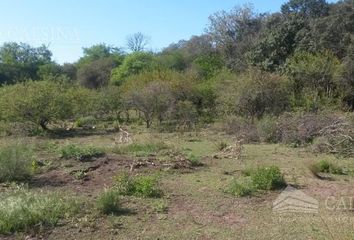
(60, 133)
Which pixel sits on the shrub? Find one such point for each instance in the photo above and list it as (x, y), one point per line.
(194, 160)
(324, 166)
(109, 202)
(22, 210)
(300, 129)
(140, 186)
(241, 188)
(267, 129)
(15, 163)
(84, 153)
(268, 178)
(242, 129)
(141, 150)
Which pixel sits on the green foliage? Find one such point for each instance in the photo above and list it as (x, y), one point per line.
(81, 153)
(20, 61)
(42, 102)
(15, 163)
(23, 210)
(160, 206)
(318, 73)
(306, 8)
(86, 121)
(254, 94)
(139, 186)
(267, 129)
(194, 160)
(96, 74)
(325, 166)
(141, 150)
(100, 51)
(268, 178)
(134, 63)
(241, 188)
(109, 202)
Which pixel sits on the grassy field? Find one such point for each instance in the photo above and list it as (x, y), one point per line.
(194, 202)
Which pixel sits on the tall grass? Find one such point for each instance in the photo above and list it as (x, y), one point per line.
(21, 210)
(15, 163)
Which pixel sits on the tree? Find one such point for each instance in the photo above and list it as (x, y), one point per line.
(319, 72)
(96, 74)
(153, 100)
(254, 94)
(99, 51)
(137, 42)
(36, 102)
(134, 63)
(20, 61)
(306, 8)
(234, 33)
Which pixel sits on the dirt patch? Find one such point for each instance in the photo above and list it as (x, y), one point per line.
(94, 176)
(222, 216)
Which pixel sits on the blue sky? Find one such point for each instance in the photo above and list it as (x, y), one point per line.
(68, 25)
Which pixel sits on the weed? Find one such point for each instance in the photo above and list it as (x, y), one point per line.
(140, 186)
(109, 202)
(194, 160)
(324, 166)
(221, 145)
(15, 163)
(268, 178)
(22, 210)
(241, 188)
(160, 206)
(85, 153)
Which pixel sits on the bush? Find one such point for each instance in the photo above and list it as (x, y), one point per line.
(268, 178)
(22, 210)
(139, 186)
(324, 166)
(194, 160)
(109, 202)
(15, 163)
(85, 153)
(241, 188)
(267, 129)
(302, 128)
(141, 150)
(242, 129)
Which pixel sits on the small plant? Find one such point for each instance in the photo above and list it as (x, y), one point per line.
(22, 210)
(85, 153)
(140, 186)
(86, 121)
(324, 166)
(16, 163)
(268, 178)
(194, 160)
(221, 145)
(109, 202)
(160, 206)
(141, 150)
(241, 188)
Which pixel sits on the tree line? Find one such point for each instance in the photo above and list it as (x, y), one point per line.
(246, 63)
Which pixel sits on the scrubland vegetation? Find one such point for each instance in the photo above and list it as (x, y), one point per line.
(193, 142)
